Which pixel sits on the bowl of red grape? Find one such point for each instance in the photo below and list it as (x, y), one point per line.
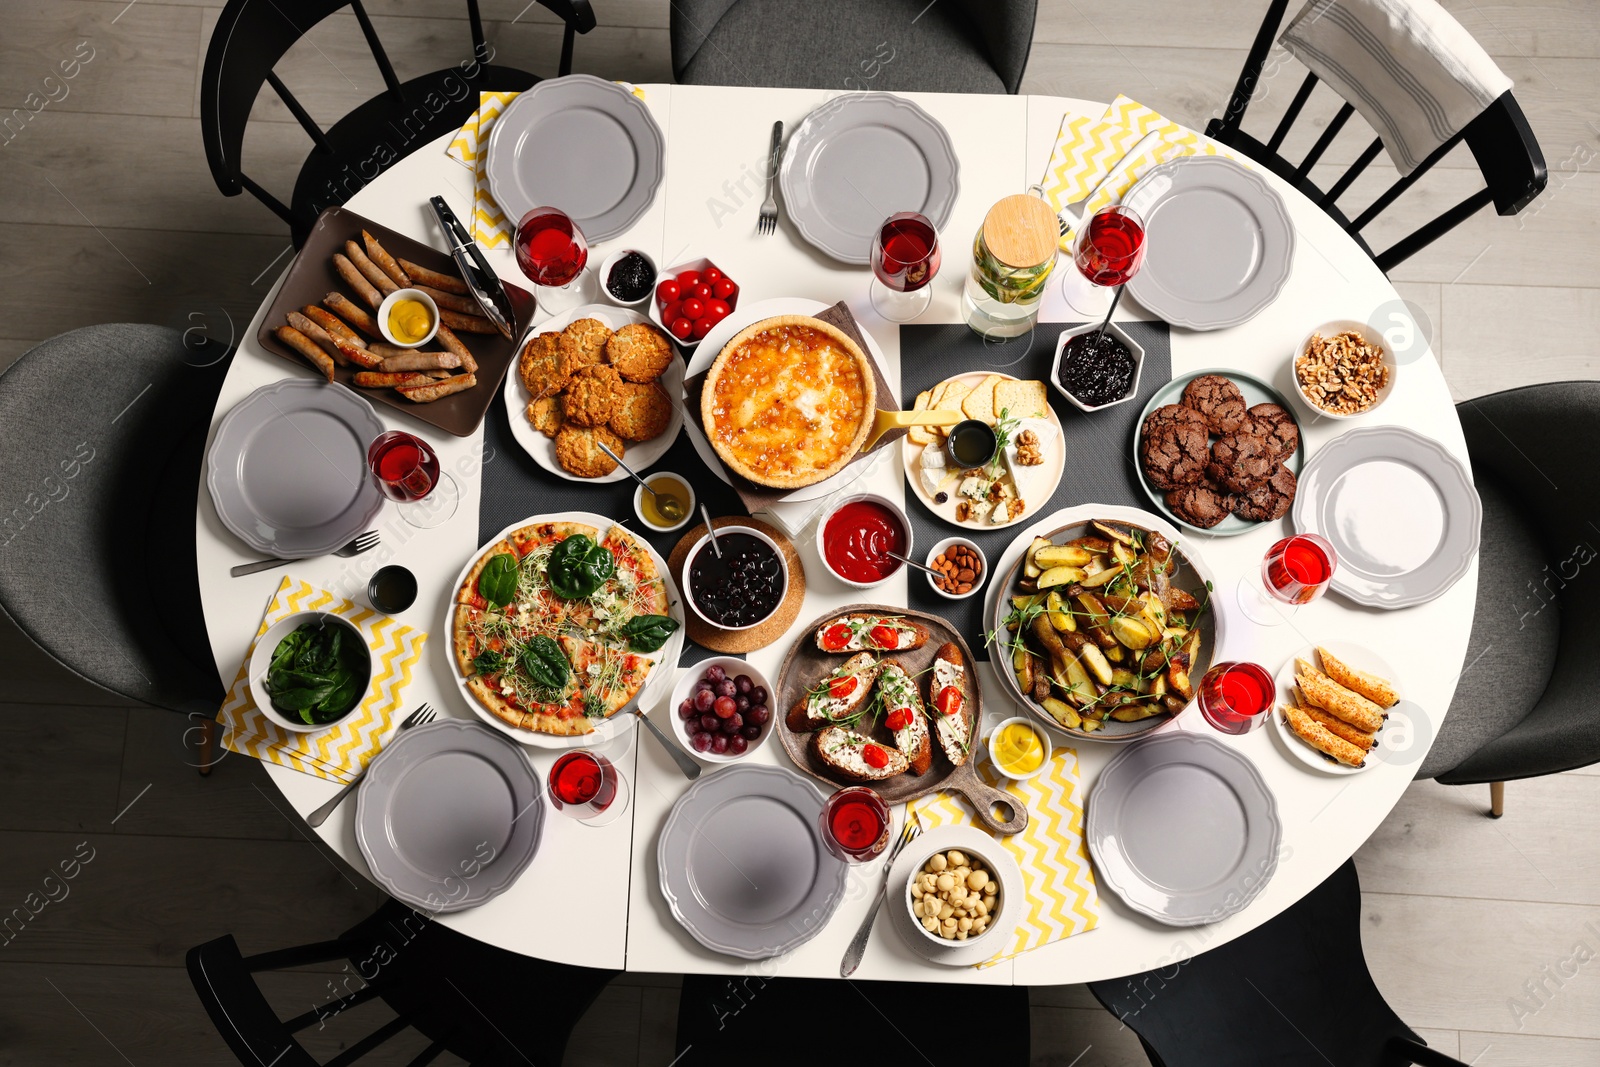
(721, 709)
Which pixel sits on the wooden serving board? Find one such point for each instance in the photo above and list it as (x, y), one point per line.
(806, 665)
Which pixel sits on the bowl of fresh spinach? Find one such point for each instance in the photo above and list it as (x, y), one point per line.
(310, 670)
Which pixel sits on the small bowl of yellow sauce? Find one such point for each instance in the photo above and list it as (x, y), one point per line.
(408, 318)
(1019, 748)
(668, 487)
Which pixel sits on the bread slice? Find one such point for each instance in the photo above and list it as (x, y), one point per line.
(979, 404)
(844, 752)
(817, 709)
(953, 731)
(909, 633)
(1380, 691)
(900, 701)
(921, 435)
(1022, 400)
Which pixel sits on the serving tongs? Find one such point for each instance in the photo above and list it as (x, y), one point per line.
(501, 303)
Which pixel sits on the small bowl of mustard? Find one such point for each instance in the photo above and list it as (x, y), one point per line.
(1019, 748)
(408, 318)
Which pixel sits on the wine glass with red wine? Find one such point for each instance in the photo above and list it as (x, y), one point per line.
(1108, 252)
(552, 252)
(905, 258)
(1235, 698)
(586, 786)
(855, 824)
(407, 472)
(1295, 571)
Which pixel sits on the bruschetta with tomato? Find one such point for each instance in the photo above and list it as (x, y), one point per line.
(950, 704)
(902, 713)
(839, 696)
(855, 757)
(871, 633)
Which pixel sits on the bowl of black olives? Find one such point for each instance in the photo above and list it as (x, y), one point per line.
(740, 586)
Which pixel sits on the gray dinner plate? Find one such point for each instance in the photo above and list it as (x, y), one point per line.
(1183, 829)
(448, 815)
(860, 158)
(743, 867)
(1400, 512)
(287, 469)
(1255, 391)
(581, 144)
(1218, 243)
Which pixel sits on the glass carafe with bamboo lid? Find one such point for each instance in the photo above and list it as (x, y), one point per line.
(1012, 257)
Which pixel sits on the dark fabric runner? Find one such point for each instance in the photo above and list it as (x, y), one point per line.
(1100, 459)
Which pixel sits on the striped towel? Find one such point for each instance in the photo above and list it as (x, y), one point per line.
(1407, 65)
(1061, 896)
(341, 751)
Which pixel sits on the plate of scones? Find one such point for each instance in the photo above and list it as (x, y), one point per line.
(1219, 451)
(591, 376)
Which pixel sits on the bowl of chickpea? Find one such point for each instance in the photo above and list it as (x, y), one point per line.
(955, 897)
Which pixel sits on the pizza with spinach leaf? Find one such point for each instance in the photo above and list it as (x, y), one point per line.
(553, 625)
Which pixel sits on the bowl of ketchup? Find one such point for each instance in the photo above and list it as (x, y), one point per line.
(856, 537)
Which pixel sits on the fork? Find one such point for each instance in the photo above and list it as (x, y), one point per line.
(858, 944)
(421, 717)
(769, 207)
(361, 543)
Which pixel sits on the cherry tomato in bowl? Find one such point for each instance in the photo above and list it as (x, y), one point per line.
(667, 292)
(681, 329)
(693, 308)
(723, 289)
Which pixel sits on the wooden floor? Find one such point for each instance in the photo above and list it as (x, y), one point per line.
(110, 214)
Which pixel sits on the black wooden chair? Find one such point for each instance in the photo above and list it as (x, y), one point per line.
(1293, 992)
(99, 471)
(483, 1004)
(1538, 577)
(1500, 140)
(734, 1021)
(958, 46)
(250, 38)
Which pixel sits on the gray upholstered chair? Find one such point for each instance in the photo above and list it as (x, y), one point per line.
(1528, 702)
(100, 458)
(951, 46)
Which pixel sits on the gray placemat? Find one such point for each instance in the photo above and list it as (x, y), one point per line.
(515, 487)
(1100, 460)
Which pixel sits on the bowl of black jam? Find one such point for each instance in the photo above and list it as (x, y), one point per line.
(742, 587)
(628, 277)
(1094, 370)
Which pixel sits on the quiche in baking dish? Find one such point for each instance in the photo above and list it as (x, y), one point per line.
(788, 402)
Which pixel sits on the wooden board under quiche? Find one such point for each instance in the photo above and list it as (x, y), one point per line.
(974, 394)
(542, 445)
(806, 665)
(587, 628)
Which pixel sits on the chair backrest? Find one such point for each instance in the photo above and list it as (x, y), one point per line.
(224, 979)
(98, 471)
(1263, 998)
(1506, 151)
(1007, 29)
(251, 36)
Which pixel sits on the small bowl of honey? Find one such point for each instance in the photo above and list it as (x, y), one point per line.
(408, 318)
(669, 507)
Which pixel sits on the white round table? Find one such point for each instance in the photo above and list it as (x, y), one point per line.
(606, 876)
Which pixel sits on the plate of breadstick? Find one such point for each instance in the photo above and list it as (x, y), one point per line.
(1333, 704)
(325, 316)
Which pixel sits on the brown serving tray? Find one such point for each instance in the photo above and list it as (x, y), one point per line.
(806, 664)
(312, 276)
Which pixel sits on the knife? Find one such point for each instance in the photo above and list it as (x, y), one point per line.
(482, 281)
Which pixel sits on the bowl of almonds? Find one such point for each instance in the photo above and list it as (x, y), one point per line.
(1343, 369)
(960, 565)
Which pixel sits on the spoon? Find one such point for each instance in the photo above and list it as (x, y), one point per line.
(911, 562)
(669, 507)
(705, 513)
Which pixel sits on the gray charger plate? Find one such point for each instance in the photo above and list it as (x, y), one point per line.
(448, 816)
(742, 864)
(1400, 512)
(860, 158)
(581, 144)
(287, 469)
(1218, 243)
(1255, 392)
(1183, 829)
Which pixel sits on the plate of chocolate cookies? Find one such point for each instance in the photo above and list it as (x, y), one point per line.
(1219, 451)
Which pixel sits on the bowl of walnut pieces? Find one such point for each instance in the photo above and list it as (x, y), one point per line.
(1344, 369)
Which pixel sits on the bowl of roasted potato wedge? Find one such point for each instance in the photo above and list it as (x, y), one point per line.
(1104, 627)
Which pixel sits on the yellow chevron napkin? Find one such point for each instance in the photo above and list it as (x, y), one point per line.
(1061, 895)
(1175, 142)
(1086, 150)
(469, 147)
(341, 751)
